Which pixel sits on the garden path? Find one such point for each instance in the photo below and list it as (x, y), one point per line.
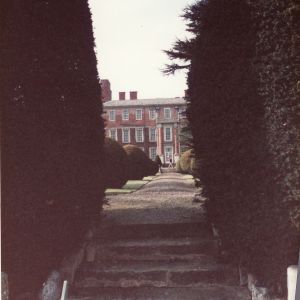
(156, 244)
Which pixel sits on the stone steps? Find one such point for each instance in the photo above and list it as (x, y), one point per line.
(154, 273)
(157, 249)
(150, 231)
(212, 292)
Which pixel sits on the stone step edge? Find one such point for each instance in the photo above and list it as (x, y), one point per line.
(147, 292)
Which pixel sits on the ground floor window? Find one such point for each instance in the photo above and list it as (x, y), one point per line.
(126, 135)
(152, 152)
(112, 133)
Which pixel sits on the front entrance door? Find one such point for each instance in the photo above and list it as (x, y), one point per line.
(168, 154)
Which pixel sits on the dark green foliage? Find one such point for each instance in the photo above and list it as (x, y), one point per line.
(52, 136)
(116, 164)
(277, 62)
(139, 164)
(243, 103)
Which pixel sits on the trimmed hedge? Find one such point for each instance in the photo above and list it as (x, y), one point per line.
(139, 163)
(187, 163)
(243, 98)
(116, 164)
(52, 137)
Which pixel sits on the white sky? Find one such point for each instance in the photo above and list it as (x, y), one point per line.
(130, 36)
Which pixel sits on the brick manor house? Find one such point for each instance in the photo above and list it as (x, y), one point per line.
(151, 124)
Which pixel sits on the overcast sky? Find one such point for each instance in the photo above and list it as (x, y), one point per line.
(130, 36)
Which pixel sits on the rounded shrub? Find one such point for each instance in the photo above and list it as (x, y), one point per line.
(139, 165)
(178, 168)
(116, 164)
(187, 162)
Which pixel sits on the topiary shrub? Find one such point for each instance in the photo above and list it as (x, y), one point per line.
(116, 164)
(177, 167)
(139, 164)
(187, 163)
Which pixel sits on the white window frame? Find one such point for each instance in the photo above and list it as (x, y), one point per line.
(152, 117)
(181, 111)
(125, 117)
(116, 134)
(169, 116)
(136, 134)
(136, 114)
(165, 134)
(110, 114)
(150, 135)
(155, 152)
(167, 158)
(123, 139)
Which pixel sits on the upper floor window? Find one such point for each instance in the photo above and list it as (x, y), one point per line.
(152, 114)
(139, 114)
(125, 135)
(167, 113)
(181, 113)
(152, 134)
(125, 114)
(168, 134)
(113, 134)
(111, 115)
(139, 135)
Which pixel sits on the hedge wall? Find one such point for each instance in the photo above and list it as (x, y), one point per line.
(243, 103)
(52, 136)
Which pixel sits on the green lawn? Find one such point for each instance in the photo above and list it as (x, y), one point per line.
(130, 186)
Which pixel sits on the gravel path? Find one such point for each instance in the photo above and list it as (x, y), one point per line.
(168, 198)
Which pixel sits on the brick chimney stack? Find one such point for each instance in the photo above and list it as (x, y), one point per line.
(122, 95)
(105, 90)
(186, 94)
(133, 95)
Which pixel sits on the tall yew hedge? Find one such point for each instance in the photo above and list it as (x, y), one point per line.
(52, 136)
(243, 108)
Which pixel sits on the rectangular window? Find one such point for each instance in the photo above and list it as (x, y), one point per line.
(152, 152)
(168, 134)
(125, 114)
(139, 114)
(112, 115)
(181, 113)
(167, 112)
(139, 135)
(126, 135)
(152, 134)
(152, 114)
(113, 134)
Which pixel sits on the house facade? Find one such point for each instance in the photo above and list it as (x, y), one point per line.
(151, 124)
